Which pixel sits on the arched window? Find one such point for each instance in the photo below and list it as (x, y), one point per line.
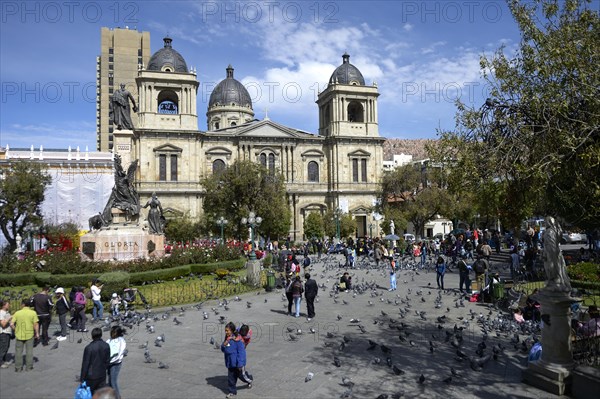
(168, 102)
(263, 160)
(218, 166)
(272, 163)
(355, 112)
(217, 125)
(313, 172)
(233, 124)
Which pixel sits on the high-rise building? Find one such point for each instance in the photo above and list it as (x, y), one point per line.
(122, 50)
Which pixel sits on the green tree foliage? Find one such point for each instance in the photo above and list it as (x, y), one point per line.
(534, 146)
(313, 226)
(347, 224)
(21, 195)
(243, 187)
(181, 230)
(409, 192)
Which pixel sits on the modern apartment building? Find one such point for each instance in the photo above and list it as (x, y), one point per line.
(122, 51)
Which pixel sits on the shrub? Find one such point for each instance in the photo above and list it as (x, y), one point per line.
(163, 274)
(221, 273)
(584, 271)
(70, 280)
(113, 282)
(268, 260)
(209, 268)
(7, 280)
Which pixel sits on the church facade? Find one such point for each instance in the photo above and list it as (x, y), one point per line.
(337, 167)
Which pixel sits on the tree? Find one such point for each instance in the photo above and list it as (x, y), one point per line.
(411, 192)
(347, 224)
(313, 226)
(21, 196)
(535, 143)
(181, 230)
(243, 187)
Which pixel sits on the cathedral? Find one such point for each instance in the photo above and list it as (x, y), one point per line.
(340, 166)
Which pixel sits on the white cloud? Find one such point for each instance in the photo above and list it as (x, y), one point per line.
(50, 136)
(408, 27)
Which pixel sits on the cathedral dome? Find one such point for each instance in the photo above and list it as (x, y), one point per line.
(229, 91)
(347, 74)
(166, 59)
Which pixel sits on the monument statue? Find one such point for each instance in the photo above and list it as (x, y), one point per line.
(123, 195)
(155, 215)
(19, 241)
(554, 263)
(120, 108)
(392, 227)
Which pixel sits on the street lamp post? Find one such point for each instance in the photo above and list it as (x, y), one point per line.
(221, 222)
(371, 230)
(252, 221)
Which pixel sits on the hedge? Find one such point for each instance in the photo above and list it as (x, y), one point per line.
(113, 282)
(69, 280)
(211, 267)
(161, 274)
(7, 280)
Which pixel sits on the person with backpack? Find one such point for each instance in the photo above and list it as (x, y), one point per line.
(42, 304)
(440, 270)
(235, 357)
(79, 305)
(297, 290)
(63, 307)
(479, 267)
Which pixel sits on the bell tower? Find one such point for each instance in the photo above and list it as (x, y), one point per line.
(167, 92)
(348, 107)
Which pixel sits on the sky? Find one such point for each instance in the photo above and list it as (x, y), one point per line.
(423, 56)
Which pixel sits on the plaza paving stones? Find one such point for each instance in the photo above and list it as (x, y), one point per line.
(280, 365)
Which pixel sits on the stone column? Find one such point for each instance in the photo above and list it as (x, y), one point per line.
(552, 372)
(253, 273)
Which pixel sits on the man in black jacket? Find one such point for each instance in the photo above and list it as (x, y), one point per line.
(96, 360)
(310, 292)
(42, 304)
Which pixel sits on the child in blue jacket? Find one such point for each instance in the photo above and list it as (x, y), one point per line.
(235, 357)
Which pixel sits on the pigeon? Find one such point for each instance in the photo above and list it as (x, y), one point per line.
(212, 341)
(336, 361)
(397, 370)
(421, 379)
(454, 372)
(376, 360)
(157, 343)
(347, 382)
(143, 346)
(55, 346)
(346, 339)
(309, 377)
(161, 338)
(312, 330)
(388, 360)
(79, 340)
(346, 394)
(385, 349)
(177, 322)
(293, 337)
(330, 335)
(162, 365)
(448, 380)
(372, 345)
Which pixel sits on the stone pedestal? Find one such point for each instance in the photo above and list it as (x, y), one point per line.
(253, 273)
(552, 372)
(123, 144)
(122, 242)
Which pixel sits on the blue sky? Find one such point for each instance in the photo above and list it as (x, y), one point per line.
(421, 54)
